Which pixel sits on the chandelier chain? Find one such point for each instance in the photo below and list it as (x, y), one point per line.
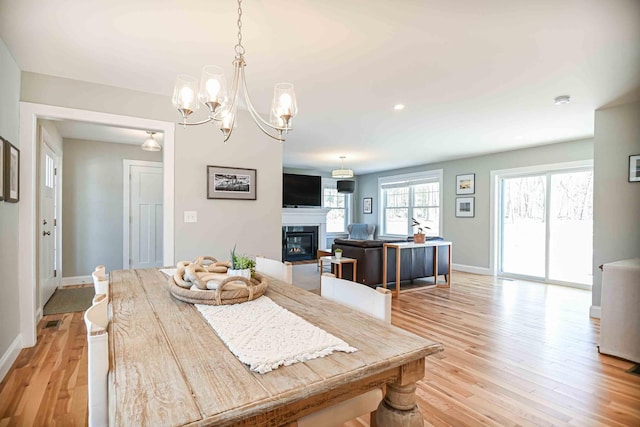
(239, 48)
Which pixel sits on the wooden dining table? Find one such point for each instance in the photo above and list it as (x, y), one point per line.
(168, 367)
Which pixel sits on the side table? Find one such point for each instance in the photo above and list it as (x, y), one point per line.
(339, 262)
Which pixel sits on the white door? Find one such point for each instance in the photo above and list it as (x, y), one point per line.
(48, 277)
(145, 207)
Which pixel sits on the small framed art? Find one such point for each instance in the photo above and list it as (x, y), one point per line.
(465, 207)
(634, 168)
(466, 184)
(367, 205)
(11, 173)
(1, 169)
(231, 183)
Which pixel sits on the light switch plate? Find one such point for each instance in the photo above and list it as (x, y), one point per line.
(190, 216)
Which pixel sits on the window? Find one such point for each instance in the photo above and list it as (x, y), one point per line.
(338, 202)
(411, 196)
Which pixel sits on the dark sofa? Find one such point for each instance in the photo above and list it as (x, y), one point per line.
(414, 263)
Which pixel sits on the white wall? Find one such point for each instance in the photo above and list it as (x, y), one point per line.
(9, 295)
(616, 207)
(92, 203)
(255, 226)
(471, 236)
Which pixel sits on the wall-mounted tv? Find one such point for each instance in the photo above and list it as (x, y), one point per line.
(301, 190)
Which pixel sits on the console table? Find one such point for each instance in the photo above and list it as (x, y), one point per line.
(410, 245)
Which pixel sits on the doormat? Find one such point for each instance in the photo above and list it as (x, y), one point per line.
(68, 300)
(635, 370)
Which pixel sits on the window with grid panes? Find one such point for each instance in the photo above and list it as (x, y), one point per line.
(411, 196)
(337, 216)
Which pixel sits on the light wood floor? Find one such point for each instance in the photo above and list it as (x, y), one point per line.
(516, 353)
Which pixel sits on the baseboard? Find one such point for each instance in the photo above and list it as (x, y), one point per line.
(594, 311)
(472, 269)
(10, 356)
(76, 280)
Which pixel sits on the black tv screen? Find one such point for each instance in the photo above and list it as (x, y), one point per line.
(301, 190)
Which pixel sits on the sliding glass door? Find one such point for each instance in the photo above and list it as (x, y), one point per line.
(546, 223)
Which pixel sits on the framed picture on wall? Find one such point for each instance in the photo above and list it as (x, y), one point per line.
(1, 169)
(11, 173)
(367, 205)
(231, 183)
(634, 168)
(466, 184)
(465, 207)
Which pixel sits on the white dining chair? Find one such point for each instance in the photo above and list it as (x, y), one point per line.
(280, 270)
(375, 303)
(100, 280)
(96, 319)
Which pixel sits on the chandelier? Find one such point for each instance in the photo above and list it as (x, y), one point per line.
(342, 172)
(223, 107)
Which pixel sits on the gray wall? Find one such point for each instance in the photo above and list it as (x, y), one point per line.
(471, 236)
(9, 130)
(255, 226)
(616, 204)
(92, 203)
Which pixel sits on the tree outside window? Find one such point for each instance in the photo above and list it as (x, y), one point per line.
(336, 217)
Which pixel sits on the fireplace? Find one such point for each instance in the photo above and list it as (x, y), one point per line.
(299, 243)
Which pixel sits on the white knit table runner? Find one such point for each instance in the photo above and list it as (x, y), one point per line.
(265, 336)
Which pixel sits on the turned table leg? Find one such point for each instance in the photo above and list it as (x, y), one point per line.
(399, 408)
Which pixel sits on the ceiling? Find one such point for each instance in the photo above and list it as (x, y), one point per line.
(476, 76)
(96, 132)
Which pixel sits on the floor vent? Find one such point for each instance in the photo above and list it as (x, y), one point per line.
(52, 324)
(635, 370)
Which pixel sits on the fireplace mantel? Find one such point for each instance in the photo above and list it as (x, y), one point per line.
(308, 216)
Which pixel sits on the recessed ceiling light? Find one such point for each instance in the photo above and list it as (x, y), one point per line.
(398, 107)
(562, 99)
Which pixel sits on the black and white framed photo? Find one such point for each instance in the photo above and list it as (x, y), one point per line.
(466, 184)
(367, 205)
(634, 168)
(11, 173)
(231, 183)
(465, 207)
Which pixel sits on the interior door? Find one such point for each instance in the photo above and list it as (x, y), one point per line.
(48, 277)
(146, 198)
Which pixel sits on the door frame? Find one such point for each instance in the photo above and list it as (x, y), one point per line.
(495, 230)
(126, 208)
(28, 226)
(45, 139)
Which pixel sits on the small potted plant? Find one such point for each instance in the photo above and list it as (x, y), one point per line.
(338, 253)
(419, 237)
(241, 265)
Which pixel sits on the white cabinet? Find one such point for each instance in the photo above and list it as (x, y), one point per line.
(620, 309)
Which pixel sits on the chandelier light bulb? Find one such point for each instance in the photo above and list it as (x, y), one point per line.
(184, 95)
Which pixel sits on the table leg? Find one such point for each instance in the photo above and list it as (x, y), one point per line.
(384, 266)
(355, 267)
(339, 270)
(399, 408)
(448, 283)
(435, 265)
(397, 292)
